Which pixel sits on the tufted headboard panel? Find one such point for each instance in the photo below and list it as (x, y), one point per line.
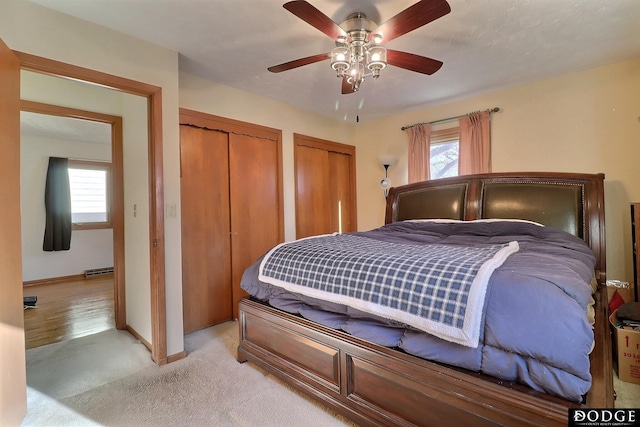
(570, 202)
(447, 201)
(554, 204)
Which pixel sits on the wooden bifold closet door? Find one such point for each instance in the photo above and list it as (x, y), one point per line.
(231, 208)
(206, 224)
(325, 186)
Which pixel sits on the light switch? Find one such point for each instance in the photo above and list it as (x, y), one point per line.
(172, 210)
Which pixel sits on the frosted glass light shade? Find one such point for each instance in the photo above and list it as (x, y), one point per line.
(340, 60)
(387, 159)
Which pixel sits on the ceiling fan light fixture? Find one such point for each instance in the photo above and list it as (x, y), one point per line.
(341, 41)
(376, 60)
(340, 60)
(358, 71)
(358, 53)
(358, 59)
(356, 75)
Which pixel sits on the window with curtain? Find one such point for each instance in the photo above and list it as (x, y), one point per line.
(443, 153)
(89, 183)
(454, 151)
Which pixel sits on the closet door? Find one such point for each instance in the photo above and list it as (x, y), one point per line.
(313, 192)
(232, 210)
(340, 174)
(206, 261)
(325, 186)
(255, 203)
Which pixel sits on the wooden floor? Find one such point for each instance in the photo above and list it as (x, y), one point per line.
(69, 310)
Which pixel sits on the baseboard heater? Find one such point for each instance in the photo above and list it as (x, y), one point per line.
(95, 272)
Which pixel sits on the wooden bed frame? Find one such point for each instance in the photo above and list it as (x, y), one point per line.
(374, 385)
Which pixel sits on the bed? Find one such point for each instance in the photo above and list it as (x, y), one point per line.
(373, 383)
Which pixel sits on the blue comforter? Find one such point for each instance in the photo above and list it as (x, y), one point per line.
(534, 327)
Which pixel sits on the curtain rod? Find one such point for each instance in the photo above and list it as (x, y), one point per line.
(489, 110)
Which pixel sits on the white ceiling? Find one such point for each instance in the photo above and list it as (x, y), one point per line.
(64, 128)
(485, 45)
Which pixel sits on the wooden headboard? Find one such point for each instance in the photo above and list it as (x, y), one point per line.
(570, 202)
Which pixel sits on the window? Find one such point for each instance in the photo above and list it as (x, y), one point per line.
(444, 153)
(90, 183)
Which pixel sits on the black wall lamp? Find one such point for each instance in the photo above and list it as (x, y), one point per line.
(385, 183)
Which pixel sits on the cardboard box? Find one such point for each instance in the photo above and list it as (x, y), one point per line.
(622, 287)
(626, 351)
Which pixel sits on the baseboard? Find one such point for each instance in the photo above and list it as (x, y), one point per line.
(176, 357)
(169, 359)
(139, 337)
(52, 280)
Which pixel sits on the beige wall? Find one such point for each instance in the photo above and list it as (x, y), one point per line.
(208, 97)
(581, 122)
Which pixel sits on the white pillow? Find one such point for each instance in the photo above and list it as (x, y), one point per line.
(445, 220)
(508, 219)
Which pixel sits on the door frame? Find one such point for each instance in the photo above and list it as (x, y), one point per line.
(13, 386)
(153, 94)
(117, 192)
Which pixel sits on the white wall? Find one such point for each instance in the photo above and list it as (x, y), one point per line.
(136, 215)
(89, 248)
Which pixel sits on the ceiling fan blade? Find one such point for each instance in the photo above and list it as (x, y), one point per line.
(409, 61)
(347, 87)
(299, 63)
(411, 18)
(315, 18)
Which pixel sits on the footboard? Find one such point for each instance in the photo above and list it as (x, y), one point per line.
(373, 385)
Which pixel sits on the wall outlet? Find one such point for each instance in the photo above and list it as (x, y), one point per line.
(172, 210)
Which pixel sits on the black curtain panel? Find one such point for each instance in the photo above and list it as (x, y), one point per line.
(57, 202)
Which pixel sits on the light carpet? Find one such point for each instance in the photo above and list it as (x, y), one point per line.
(207, 388)
(108, 379)
(627, 394)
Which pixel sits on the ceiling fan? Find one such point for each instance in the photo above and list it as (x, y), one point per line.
(358, 53)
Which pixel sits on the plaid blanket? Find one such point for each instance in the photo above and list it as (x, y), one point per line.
(437, 288)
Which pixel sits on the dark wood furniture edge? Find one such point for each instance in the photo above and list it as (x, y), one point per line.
(602, 393)
(635, 241)
(446, 396)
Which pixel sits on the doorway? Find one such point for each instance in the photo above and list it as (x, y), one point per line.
(154, 242)
(93, 140)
